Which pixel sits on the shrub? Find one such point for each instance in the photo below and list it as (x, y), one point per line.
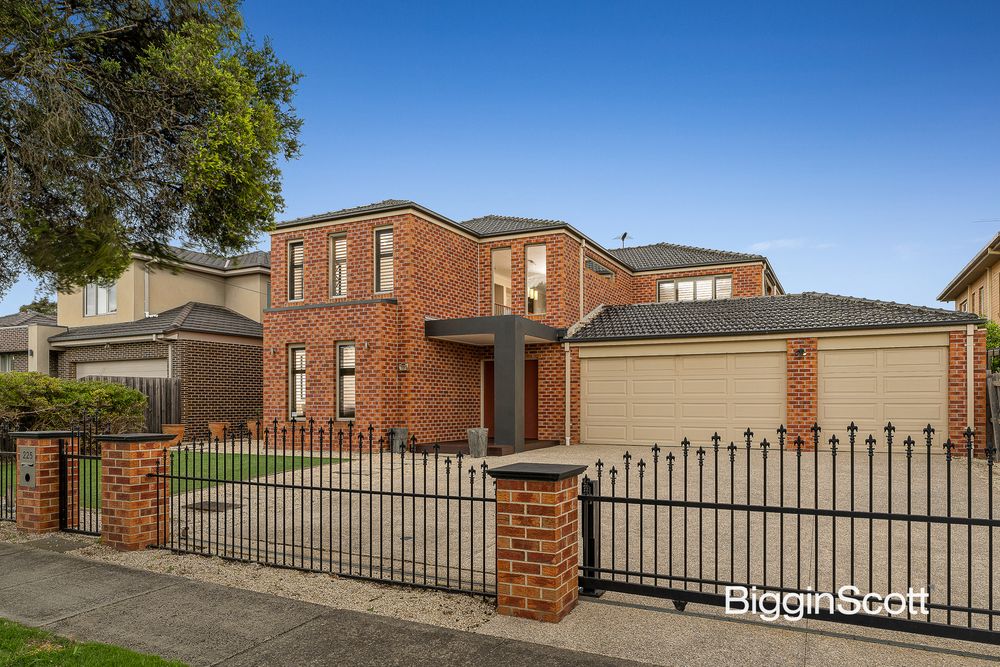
(36, 402)
(993, 341)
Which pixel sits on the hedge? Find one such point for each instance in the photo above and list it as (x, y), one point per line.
(36, 402)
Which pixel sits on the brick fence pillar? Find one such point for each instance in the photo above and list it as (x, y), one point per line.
(802, 388)
(967, 371)
(538, 539)
(134, 506)
(37, 507)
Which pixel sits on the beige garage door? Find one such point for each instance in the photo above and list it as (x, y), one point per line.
(905, 385)
(641, 400)
(145, 368)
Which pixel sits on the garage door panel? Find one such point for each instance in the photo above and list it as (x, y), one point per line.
(658, 387)
(910, 389)
(758, 386)
(708, 386)
(156, 368)
(849, 386)
(895, 386)
(653, 410)
(848, 358)
(914, 356)
(669, 398)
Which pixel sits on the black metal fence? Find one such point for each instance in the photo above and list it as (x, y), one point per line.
(308, 497)
(883, 515)
(80, 477)
(8, 474)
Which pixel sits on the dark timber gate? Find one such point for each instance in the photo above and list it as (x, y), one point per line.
(882, 515)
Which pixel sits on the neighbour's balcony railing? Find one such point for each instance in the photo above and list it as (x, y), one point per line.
(500, 309)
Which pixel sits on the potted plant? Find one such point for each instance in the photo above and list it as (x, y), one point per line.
(218, 430)
(176, 430)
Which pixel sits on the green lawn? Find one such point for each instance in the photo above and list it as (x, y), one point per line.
(191, 465)
(20, 645)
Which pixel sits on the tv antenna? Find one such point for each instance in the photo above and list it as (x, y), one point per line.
(624, 237)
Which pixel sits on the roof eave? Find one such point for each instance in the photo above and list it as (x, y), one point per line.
(951, 291)
(771, 332)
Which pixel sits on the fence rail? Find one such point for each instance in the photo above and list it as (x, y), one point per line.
(312, 498)
(811, 518)
(8, 474)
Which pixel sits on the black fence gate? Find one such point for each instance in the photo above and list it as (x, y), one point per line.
(342, 502)
(80, 480)
(8, 474)
(884, 516)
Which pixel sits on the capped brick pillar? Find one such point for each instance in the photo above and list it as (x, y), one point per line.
(967, 387)
(537, 539)
(134, 506)
(37, 506)
(802, 389)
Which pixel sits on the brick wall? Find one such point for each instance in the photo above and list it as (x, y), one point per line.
(598, 289)
(748, 280)
(219, 382)
(20, 361)
(802, 378)
(13, 339)
(958, 389)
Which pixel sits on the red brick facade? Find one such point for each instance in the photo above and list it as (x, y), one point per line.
(537, 548)
(958, 407)
(802, 378)
(134, 509)
(38, 508)
(748, 280)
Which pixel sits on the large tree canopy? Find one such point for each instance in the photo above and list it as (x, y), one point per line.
(127, 123)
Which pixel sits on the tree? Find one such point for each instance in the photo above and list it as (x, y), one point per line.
(42, 305)
(125, 124)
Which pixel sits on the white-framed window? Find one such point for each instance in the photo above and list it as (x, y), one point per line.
(6, 363)
(296, 271)
(346, 381)
(100, 299)
(338, 265)
(964, 306)
(297, 381)
(384, 260)
(702, 288)
(534, 279)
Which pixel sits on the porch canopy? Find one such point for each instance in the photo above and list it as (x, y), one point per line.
(508, 335)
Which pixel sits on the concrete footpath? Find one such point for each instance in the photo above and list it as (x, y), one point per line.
(206, 624)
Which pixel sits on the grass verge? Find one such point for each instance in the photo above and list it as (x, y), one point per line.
(20, 645)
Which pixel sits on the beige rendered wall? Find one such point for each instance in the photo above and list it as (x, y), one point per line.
(247, 295)
(169, 290)
(70, 305)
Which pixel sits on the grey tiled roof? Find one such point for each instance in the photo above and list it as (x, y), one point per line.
(598, 268)
(494, 225)
(365, 208)
(257, 258)
(26, 318)
(809, 311)
(671, 255)
(192, 316)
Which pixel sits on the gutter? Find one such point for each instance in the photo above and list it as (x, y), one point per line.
(948, 293)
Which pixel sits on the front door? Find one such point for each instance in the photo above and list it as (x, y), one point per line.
(530, 398)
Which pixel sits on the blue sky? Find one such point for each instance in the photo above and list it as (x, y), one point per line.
(857, 145)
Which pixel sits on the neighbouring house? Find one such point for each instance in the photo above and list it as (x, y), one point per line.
(24, 342)
(976, 288)
(394, 315)
(197, 319)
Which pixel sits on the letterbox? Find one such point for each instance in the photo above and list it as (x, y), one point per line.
(26, 467)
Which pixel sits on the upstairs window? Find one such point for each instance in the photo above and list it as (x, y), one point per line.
(704, 288)
(346, 387)
(338, 265)
(296, 271)
(297, 381)
(99, 300)
(964, 306)
(982, 300)
(383, 260)
(502, 293)
(534, 279)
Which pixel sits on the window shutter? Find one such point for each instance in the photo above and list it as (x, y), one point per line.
(338, 285)
(384, 251)
(296, 255)
(723, 287)
(298, 381)
(666, 291)
(347, 389)
(685, 290)
(703, 289)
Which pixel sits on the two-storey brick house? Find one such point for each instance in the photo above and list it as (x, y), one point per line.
(394, 315)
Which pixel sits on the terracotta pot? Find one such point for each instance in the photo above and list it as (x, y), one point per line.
(176, 430)
(218, 430)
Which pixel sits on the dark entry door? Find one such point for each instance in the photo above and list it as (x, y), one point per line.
(530, 398)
